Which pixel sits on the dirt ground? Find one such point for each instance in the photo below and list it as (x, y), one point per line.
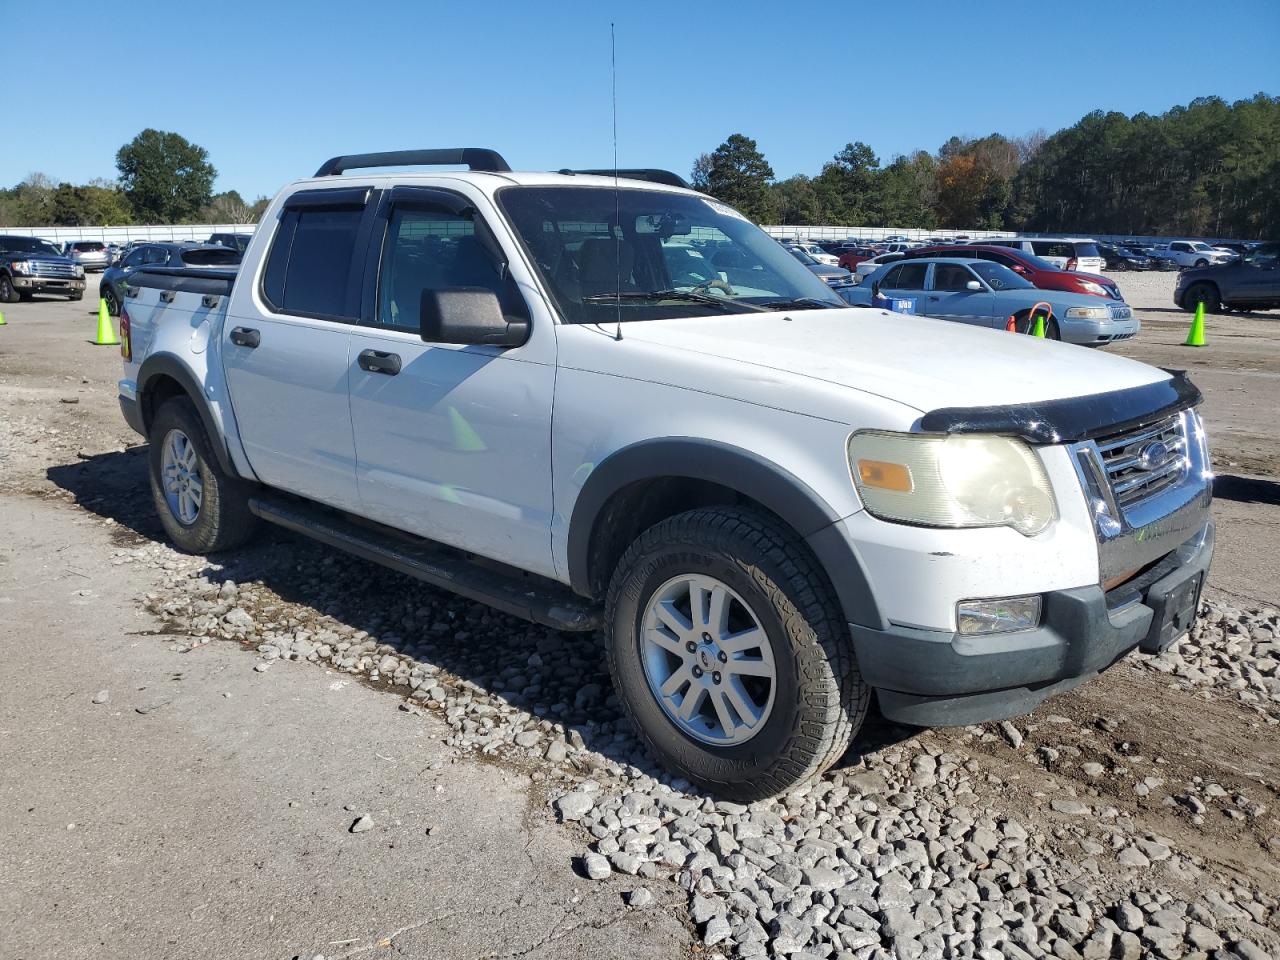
(73, 489)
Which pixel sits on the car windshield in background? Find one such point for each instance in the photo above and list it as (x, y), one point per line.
(90, 245)
(999, 277)
(28, 245)
(637, 254)
(216, 257)
(1086, 250)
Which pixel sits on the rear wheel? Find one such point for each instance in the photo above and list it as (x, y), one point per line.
(1203, 292)
(203, 509)
(7, 293)
(730, 655)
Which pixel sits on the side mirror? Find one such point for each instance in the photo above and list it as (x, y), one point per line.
(973, 285)
(469, 315)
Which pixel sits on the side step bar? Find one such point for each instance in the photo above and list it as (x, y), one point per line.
(523, 595)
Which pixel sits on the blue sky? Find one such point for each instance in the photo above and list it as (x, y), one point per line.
(273, 88)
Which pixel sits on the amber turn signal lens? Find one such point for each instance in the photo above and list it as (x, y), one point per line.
(886, 476)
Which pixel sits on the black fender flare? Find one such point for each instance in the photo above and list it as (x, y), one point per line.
(168, 365)
(743, 471)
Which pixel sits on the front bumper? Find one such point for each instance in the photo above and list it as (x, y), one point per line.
(31, 284)
(1088, 332)
(934, 678)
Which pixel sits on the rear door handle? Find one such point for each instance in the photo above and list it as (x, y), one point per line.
(245, 337)
(376, 362)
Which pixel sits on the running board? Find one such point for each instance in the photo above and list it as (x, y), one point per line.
(523, 595)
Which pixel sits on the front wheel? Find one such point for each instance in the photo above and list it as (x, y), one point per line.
(203, 509)
(1120, 267)
(113, 301)
(1202, 262)
(7, 292)
(730, 654)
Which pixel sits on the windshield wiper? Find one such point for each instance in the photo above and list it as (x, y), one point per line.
(784, 304)
(655, 296)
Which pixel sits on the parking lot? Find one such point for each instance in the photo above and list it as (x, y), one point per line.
(195, 741)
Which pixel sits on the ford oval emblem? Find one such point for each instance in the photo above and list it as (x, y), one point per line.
(1153, 455)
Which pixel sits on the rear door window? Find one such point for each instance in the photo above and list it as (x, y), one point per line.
(1053, 248)
(311, 268)
(911, 276)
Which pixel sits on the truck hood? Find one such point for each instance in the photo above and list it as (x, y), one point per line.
(922, 363)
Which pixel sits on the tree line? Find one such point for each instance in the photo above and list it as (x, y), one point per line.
(163, 178)
(1209, 168)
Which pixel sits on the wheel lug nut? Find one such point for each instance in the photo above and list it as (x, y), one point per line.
(697, 671)
(706, 638)
(724, 657)
(715, 677)
(691, 647)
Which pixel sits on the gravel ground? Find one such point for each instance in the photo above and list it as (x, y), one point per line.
(1134, 817)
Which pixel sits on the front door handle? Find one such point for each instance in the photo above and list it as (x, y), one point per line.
(377, 362)
(245, 337)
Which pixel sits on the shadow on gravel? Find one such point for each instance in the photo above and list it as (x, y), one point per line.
(554, 676)
(1246, 489)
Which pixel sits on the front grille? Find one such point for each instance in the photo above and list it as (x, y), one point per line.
(51, 268)
(1142, 462)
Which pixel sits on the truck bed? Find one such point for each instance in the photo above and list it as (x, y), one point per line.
(214, 281)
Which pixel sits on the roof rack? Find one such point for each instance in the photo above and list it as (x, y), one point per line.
(475, 158)
(636, 173)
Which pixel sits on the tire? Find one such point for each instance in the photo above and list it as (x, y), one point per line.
(113, 302)
(1121, 267)
(76, 296)
(1025, 323)
(1051, 330)
(810, 707)
(1202, 262)
(1202, 291)
(221, 518)
(7, 293)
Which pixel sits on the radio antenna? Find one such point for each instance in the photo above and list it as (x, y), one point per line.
(617, 199)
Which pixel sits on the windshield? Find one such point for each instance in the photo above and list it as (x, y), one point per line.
(667, 254)
(28, 245)
(999, 277)
(91, 246)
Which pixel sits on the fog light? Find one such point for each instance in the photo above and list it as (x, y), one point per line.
(977, 617)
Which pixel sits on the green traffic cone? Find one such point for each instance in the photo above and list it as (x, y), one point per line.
(2, 320)
(106, 332)
(1195, 336)
(1039, 330)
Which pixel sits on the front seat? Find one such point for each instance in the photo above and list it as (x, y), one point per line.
(605, 266)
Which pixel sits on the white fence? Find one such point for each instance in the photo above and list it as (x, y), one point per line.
(194, 231)
(877, 233)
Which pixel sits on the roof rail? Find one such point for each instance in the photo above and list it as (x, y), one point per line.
(636, 173)
(475, 158)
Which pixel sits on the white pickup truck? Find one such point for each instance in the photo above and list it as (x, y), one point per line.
(613, 403)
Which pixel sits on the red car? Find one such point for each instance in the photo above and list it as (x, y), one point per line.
(1042, 273)
(851, 257)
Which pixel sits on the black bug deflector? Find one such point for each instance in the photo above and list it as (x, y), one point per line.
(1073, 419)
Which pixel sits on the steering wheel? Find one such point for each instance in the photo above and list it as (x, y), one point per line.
(717, 283)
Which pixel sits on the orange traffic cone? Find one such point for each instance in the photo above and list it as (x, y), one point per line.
(1011, 326)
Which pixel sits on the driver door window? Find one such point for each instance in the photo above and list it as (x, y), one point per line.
(951, 278)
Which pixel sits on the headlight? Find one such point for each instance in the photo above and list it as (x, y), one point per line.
(21, 266)
(1095, 288)
(1089, 313)
(952, 481)
(79, 270)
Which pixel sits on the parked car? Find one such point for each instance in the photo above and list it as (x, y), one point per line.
(236, 241)
(1122, 259)
(772, 505)
(850, 257)
(872, 264)
(115, 279)
(1234, 247)
(987, 294)
(29, 265)
(817, 253)
(89, 254)
(1065, 253)
(1252, 283)
(1191, 253)
(833, 276)
(1042, 273)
